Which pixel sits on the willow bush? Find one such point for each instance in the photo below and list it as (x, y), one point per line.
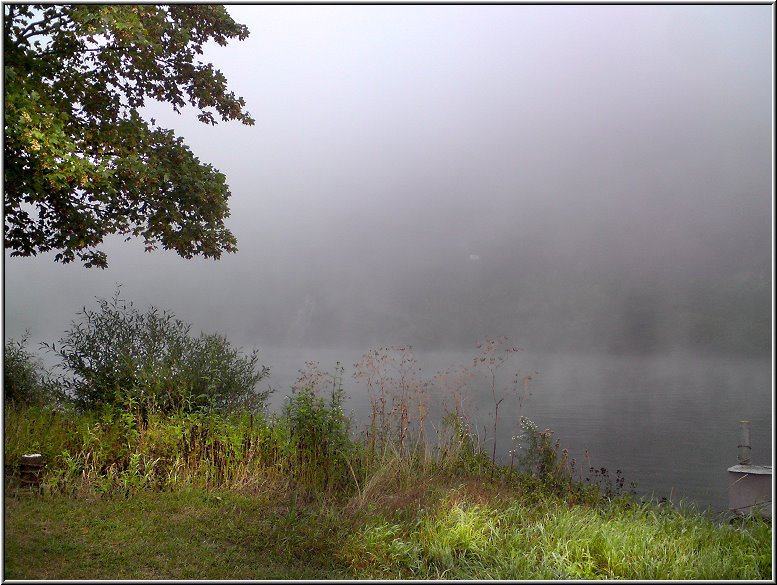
(116, 354)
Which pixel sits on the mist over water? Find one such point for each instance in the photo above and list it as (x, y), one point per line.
(594, 182)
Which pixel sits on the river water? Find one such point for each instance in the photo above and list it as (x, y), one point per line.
(670, 423)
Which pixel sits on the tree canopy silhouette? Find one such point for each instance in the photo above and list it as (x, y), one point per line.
(80, 163)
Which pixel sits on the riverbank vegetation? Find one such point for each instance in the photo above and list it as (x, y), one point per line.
(192, 496)
(198, 487)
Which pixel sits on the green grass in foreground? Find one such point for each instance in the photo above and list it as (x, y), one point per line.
(244, 496)
(462, 540)
(164, 535)
(469, 531)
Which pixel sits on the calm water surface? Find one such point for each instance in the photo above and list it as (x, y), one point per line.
(668, 422)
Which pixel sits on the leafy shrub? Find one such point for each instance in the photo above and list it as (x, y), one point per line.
(25, 380)
(117, 354)
(319, 437)
(540, 458)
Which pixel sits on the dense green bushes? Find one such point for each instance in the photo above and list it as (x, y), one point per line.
(25, 380)
(116, 354)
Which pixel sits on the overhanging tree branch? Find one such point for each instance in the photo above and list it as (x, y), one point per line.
(71, 127)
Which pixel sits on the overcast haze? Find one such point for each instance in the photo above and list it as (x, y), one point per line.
(588, 178)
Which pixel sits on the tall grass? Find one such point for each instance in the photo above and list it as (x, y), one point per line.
(112, 451)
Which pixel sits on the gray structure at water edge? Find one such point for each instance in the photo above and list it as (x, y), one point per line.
(749, 486)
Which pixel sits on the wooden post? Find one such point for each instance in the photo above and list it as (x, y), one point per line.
(30, 469)
(744, 443)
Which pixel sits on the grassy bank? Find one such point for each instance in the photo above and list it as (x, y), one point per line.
(462, 533)
(300, 496)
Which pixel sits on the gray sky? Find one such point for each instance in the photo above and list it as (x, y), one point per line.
(565, 175)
